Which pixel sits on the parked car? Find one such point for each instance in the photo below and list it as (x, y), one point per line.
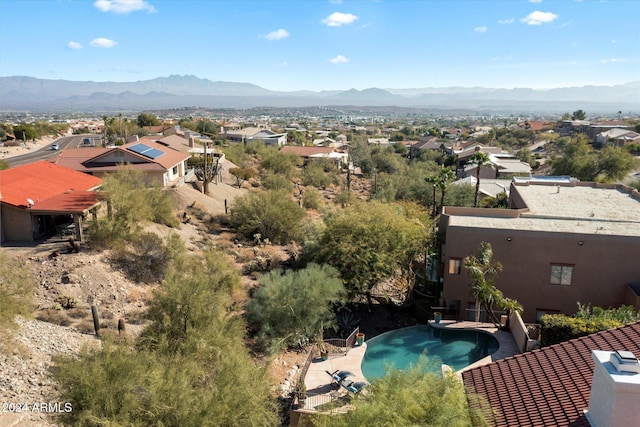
(55, 147)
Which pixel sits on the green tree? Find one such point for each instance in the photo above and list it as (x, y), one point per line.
(614, 163)
(24, 132)
(579, 159)
(288, 308)
(479, 159)
(414, 397)
(271, 214)
(4, 164)
(482, 269)
(368, 242)
(129, 202)
(284, 164)
(579, 115)
(444, 177)
(146, 119)
(242, 174)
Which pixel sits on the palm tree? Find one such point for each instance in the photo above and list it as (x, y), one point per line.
(483, 269)
(478, 159)
(433, 180)
(445, 176)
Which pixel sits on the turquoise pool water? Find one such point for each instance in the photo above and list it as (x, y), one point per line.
(403, 347)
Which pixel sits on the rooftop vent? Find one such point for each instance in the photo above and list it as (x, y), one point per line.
(625, 361)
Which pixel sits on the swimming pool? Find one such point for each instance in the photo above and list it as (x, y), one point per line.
(400, 348)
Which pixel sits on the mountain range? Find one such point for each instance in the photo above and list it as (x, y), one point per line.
(179, 91)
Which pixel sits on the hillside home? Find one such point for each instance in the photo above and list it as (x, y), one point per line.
(310, 153)
(618, 137)
(559, 244)
(40, 199)
(248, 134)
(161, 165)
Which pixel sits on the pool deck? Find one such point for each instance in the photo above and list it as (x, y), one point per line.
(318, 381)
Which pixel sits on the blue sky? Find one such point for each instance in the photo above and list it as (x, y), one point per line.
(326, 44)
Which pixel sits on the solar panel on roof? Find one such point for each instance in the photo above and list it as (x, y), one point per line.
(153, 153)
(146, 151)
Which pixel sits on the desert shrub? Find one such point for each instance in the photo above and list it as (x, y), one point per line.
(242, 174)
(147, 257)
(65, 301)
(85, 326)
(289, 308)
(279, 163)
(129, 202)
(272, 181)
(272, 214)
(51, 315)
(556, 328)
(16, 285)
(311, 199)
(235, 153)
(79, 313)
(314, 174)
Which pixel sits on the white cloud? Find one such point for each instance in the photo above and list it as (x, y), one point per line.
(480, 29)
(102, 42)
(614, 41)
(337, 19)
(612, 60)
(506, 21)
(535, 1)
(123, 6)
(538, 18)
(339, 60)
(278, 34)
(74, 45)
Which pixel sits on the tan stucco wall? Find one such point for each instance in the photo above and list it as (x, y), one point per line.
(603, 266)
(16, 224)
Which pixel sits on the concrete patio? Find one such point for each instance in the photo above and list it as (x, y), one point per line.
(321, 390)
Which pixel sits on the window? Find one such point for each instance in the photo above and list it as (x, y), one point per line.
(454, 265)
(175, 170)
(561, 274)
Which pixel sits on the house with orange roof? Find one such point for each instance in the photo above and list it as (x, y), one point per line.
(40, 199)
(161, 165)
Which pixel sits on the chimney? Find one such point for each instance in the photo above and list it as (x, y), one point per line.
(615, 390)
(192, 141)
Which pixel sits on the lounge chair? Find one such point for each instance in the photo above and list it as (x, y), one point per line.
(356, 387)
(339, 376)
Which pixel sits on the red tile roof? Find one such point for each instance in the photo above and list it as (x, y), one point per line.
(41, 181)
(549, 386)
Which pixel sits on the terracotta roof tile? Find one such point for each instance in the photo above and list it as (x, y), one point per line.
(41, 181)
(549, 386)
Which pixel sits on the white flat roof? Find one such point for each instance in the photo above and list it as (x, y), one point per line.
(584, 209)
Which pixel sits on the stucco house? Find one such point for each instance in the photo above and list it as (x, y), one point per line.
(559, 244)
(161, 165)
(40, 199)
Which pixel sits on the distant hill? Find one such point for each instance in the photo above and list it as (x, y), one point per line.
(176, 91)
